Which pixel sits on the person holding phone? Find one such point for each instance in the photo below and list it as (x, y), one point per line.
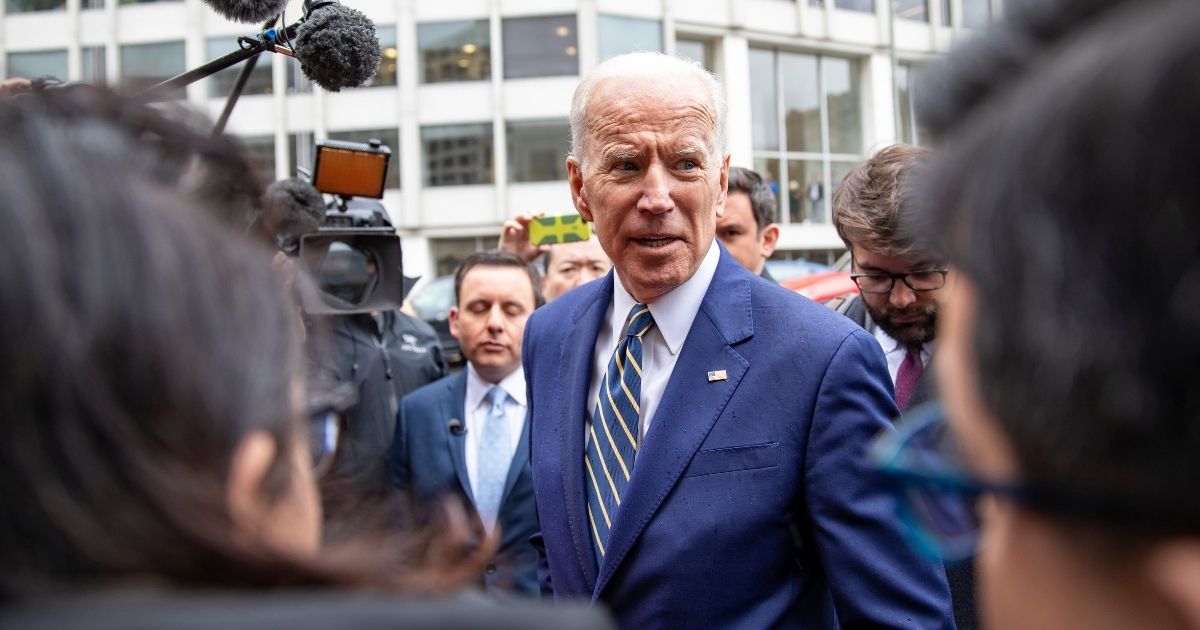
(567, 265)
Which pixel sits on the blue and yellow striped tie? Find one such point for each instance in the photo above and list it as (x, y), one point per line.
(613, 432)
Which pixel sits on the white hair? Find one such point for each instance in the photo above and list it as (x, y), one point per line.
(644, 64)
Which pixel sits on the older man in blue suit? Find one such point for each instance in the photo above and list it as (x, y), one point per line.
(699, 435)
(466, 435)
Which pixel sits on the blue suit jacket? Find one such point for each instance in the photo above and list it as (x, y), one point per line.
(751, 503)
(428, 461)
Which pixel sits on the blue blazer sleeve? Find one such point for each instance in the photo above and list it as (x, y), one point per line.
(872, 569)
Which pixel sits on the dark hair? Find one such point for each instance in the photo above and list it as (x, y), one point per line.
(497, 258)
(142, 341)
(762, 200)
(1070, 202)
(868, 206)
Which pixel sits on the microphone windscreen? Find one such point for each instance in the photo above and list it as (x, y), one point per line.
(292, 208)
(337, 47)
(248, 11)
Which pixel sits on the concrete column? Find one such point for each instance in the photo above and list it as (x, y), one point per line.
(735, 53)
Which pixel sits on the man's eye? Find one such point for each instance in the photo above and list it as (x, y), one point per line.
(688, 165)
(627, 166)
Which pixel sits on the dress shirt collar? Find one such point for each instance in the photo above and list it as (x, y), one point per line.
(890, 345)
(675, 310)
(477, 388)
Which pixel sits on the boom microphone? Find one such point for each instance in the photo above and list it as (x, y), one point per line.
(248, 11)
(336, 46)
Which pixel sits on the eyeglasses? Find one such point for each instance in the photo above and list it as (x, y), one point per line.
(923, 280)
(326, 422)
(936, 498)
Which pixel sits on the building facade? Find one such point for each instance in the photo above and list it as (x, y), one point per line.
(472, 96)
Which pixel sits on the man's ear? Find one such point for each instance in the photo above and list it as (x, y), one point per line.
(1173, 569)
(770, 238)
(247, 470)
(575, 178)
(454, 322)
(724, 192)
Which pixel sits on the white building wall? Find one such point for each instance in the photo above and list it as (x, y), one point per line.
(732, 28)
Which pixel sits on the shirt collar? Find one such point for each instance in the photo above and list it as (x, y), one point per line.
(477, 388)
(675, 310)
(890, 345)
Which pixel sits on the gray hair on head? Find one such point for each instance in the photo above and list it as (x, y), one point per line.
(645, 64)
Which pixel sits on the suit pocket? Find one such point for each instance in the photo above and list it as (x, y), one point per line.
(733, 458)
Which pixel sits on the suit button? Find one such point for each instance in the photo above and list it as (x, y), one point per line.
(491, 569)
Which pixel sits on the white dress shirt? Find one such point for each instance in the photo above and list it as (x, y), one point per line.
(673, 314)
(477, 410)
(894, 352)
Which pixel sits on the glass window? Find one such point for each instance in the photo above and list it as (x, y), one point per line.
(976, 13)
(764, 99)
(143, 1)
(260, 151)
(620, 35)
(38, 63)
(389, 59)
(91, 4)
(820, 124)
(26, 6)
(866, 6)
(946, 13)
(221, 84)
(389, 137)
(454, 51)
(696, 50)
(540, 47)
(801, 102)
(297, 82)
(457, 155)
(93, 64)
(844, 104)
(449, 253)
(537, 150)
(301, 153)
(911, 10)
(143, 65)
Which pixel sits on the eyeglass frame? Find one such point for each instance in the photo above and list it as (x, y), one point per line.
(899, 474)
(942, 271)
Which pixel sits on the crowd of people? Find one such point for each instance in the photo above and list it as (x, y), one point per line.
(999, 430)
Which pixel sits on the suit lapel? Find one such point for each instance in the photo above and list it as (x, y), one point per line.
(454, 407)
(689, 408)
(519, 461)
(576, 372)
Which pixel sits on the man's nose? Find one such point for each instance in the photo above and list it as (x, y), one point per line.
(901, 295)
(495, 319)
(656, 190)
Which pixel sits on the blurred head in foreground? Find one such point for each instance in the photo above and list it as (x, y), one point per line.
(151, 377)
(1068, 361)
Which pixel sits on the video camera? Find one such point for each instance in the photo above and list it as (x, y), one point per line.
(355, 255)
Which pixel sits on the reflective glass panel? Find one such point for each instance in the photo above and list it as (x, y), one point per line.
(844, 104)
(143, 65)
(33, 64)
(866, 6)
(763, 99)
(976, 13)
(540, 46)
(696, 50)
(806, 191)
(26, 6)
(911, 10)
(454, 51)
(801, 102)
(620, 35)
(220, 85)
(93, 64)
(389, 58)
(537, 150)
(456, 155)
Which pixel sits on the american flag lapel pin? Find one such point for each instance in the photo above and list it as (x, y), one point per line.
(717, 375)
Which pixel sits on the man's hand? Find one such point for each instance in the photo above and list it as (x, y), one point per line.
(514, 238)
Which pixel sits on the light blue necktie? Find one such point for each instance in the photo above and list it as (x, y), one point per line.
(613, 437)
(494, 459)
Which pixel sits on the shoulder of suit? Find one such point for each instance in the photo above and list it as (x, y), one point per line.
(435, 392)
(792, 310)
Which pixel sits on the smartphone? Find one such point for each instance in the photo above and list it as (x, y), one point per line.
(565, 228)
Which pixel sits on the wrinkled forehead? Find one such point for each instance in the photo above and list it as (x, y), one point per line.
(629, 105)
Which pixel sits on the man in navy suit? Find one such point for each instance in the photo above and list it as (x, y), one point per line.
(466, 435)
(698, 434)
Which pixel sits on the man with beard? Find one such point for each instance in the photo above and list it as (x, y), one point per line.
(900, 284)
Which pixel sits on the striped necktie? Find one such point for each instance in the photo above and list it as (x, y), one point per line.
(613, 432)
